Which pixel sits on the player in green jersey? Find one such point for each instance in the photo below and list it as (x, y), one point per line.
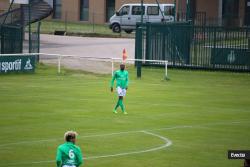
(68, 154)
(121, 77)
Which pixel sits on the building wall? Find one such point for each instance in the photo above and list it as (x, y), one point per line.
(242, 12)
(181, 6)
(71, 10)
(97, 11)
(97, 8)
(4, 5)
(211, 9)
(119, 3)
(214, 8)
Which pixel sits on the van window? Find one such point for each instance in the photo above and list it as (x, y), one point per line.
(169, 10)
(153, 10)
(136, 10)
(124, 10)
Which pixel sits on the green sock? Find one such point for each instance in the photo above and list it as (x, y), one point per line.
(121, 104)
(117, 104)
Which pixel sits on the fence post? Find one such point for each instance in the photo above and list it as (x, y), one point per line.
(30, 42)
(112, 70)
(175, 10)
(249, 43)
(1, 40)
(21, 39)
(148, 41)
(59, 64)
(166, 69)
(38, 41)
(66, 22)
(173, 41)
(138, 50)
(164, 45)
(214, 47)
(93, 22)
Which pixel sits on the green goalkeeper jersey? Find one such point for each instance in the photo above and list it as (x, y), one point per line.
(69, 154)
(121, 78)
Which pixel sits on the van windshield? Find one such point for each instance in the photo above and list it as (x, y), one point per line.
(169, 10)
(124, 10)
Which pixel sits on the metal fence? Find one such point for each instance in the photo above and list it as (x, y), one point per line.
(12, 18)
(14, 21)
(11, 39)
(31, 42)
(185, 45)
(202, 19)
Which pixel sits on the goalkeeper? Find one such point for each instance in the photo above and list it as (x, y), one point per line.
(121, 77)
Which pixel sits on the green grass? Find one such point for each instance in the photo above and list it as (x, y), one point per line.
(205, 114)
(79, 29)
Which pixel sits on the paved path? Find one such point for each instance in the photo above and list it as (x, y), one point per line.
(85, 46)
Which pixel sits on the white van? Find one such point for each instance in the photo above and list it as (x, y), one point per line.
(129, 14)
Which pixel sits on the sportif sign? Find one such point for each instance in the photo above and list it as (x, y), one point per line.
(10, 64)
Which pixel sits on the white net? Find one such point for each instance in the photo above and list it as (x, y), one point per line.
(92, 64)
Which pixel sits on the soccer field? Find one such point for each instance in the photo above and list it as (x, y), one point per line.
(192, 120)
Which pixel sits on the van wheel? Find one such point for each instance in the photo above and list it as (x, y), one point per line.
(128, 31)
(116, 28)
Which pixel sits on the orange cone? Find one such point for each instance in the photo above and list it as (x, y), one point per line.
(124, 55)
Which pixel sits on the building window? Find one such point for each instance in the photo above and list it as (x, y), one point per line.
(84, 10)
(57, 5)
(230, 12)
(153, 10)
(110, 8)
(247, 13)
(230, 9)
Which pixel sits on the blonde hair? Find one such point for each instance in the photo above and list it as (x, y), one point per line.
(70, 135)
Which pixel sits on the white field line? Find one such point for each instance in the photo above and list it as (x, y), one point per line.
(79, 137)
(99, 100)
(166, 144)
(167, 141)
(126, 132)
